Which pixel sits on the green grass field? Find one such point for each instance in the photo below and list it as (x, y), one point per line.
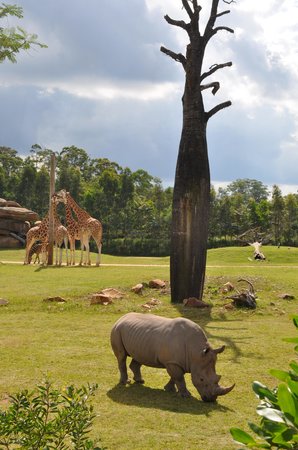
(69, 342)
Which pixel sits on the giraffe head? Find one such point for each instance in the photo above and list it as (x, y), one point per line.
(61, 196)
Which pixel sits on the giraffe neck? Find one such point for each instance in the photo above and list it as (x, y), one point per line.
(44, 224)
(55, 215)
(81, 214)
(69, 218)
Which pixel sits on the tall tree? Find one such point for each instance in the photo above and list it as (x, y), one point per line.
(13, 40)
(277, 211)
(191, 200)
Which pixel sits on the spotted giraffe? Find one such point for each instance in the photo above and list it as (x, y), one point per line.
(88, 227)
(60, 234)
(41, 233)
(73, 232)
(38, 233)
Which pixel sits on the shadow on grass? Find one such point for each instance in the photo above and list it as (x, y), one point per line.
(145, 397)
(203, 317)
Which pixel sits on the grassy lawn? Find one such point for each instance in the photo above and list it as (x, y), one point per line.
(69, 342)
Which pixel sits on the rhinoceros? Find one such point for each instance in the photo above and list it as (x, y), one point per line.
(179, 345)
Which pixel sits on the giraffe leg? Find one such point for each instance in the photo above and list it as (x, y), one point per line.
(28, 248)
(66, 250)
(87, 254)
(98, 256)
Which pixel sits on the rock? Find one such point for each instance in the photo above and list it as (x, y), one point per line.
(9, 242)
(17, 226)
(100, 299)
(287, 296)
(22, 214)
(13, 203)
(193, 302)
(229, 306)
(157, 284)
(3, 302)
(112, 293)
(227, 287)
(138, 288)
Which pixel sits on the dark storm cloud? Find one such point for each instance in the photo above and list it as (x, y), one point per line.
(103, 85)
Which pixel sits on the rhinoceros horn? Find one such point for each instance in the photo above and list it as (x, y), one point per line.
(223, 391)
(220, 349)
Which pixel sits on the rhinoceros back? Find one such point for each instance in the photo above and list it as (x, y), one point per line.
(155, 341)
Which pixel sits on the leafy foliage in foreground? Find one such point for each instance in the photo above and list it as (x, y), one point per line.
(48, 419)
(278, 410)
(13, 40)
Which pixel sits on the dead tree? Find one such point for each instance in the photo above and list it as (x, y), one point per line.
(255, 238)
(191, 198)
(246, 298)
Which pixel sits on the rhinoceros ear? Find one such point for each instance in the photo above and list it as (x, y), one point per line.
(206, 350)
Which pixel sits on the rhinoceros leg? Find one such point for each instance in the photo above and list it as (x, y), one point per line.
(135, 367)
(177, 377)
(123, 370)
(170, 386)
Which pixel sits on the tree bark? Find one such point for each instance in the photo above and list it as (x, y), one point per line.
(191, 197)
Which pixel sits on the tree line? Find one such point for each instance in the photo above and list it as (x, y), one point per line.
(134, 207)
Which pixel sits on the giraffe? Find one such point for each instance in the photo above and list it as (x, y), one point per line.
(74, 233)
(87, 227)
(38, 233)
(35, 250)
(60, 234)
(41, 233)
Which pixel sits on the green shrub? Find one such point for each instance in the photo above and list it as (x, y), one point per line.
(48, 419)
(278, 409)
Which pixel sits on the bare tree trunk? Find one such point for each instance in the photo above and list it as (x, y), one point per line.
(191, 200)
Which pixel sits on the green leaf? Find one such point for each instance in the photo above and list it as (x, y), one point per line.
(295, 340)
(280, 374)
(241, 436)
(271, 414)
(286, 400)
(293, 385)
(263, 391)
(295, 320)
(294, 366)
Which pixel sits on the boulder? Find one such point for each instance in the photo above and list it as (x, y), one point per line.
(157, 284)
(15, 213)
(100, 299)
(193, 302)
(9, 242)
(138, 288)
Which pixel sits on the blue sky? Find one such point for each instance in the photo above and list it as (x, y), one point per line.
(103, 85)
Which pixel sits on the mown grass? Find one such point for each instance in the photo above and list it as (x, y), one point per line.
(69, 342)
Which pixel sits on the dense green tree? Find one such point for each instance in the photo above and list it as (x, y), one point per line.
(291, 219)
(248, 189)
(14, 39)
(134, 208)
(277, 214)
(26, 192)
(76, 158)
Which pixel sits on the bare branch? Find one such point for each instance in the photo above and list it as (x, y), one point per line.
(176, 56)
(187, 8)
(212, 18)
(229, 1)
(214, 68)
(217, 108)
(215, 85)
(215, 30)
(223, 13)
(177, 23)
